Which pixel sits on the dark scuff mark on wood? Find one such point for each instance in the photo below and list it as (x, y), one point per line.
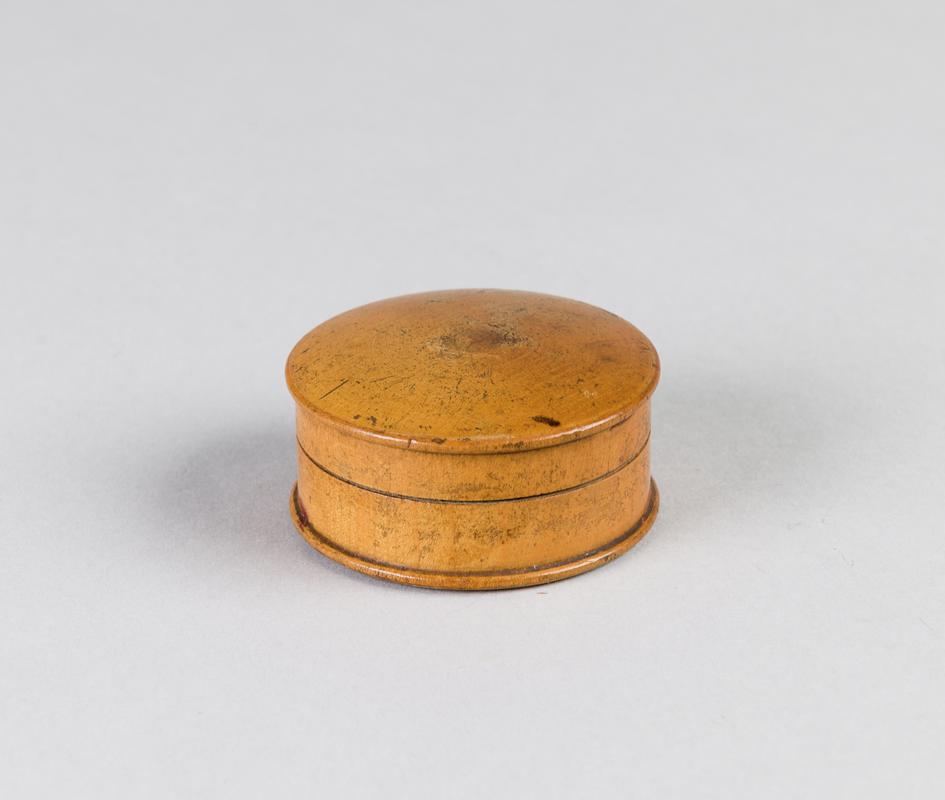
(334, 390)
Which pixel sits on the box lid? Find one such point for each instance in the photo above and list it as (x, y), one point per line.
(473, 371)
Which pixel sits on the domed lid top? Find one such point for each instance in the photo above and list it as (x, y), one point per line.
(473, 370)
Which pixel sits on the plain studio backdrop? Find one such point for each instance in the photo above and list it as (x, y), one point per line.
(186, 188)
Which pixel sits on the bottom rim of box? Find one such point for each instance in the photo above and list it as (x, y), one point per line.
(476, 580)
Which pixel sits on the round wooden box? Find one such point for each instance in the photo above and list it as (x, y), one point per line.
(473, 439)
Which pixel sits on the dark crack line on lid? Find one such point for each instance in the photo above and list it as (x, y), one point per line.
(334, 390)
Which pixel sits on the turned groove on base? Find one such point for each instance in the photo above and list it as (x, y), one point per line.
(473, 580)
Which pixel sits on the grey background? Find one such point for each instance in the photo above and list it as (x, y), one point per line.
(187, 187)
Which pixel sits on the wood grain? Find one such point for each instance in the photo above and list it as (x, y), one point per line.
(473, 439)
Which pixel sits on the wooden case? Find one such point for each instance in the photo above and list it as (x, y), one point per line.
(473, 439)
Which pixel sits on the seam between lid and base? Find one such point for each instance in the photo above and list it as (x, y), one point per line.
(482, 501)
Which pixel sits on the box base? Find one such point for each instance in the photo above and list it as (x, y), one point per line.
(472, 580)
